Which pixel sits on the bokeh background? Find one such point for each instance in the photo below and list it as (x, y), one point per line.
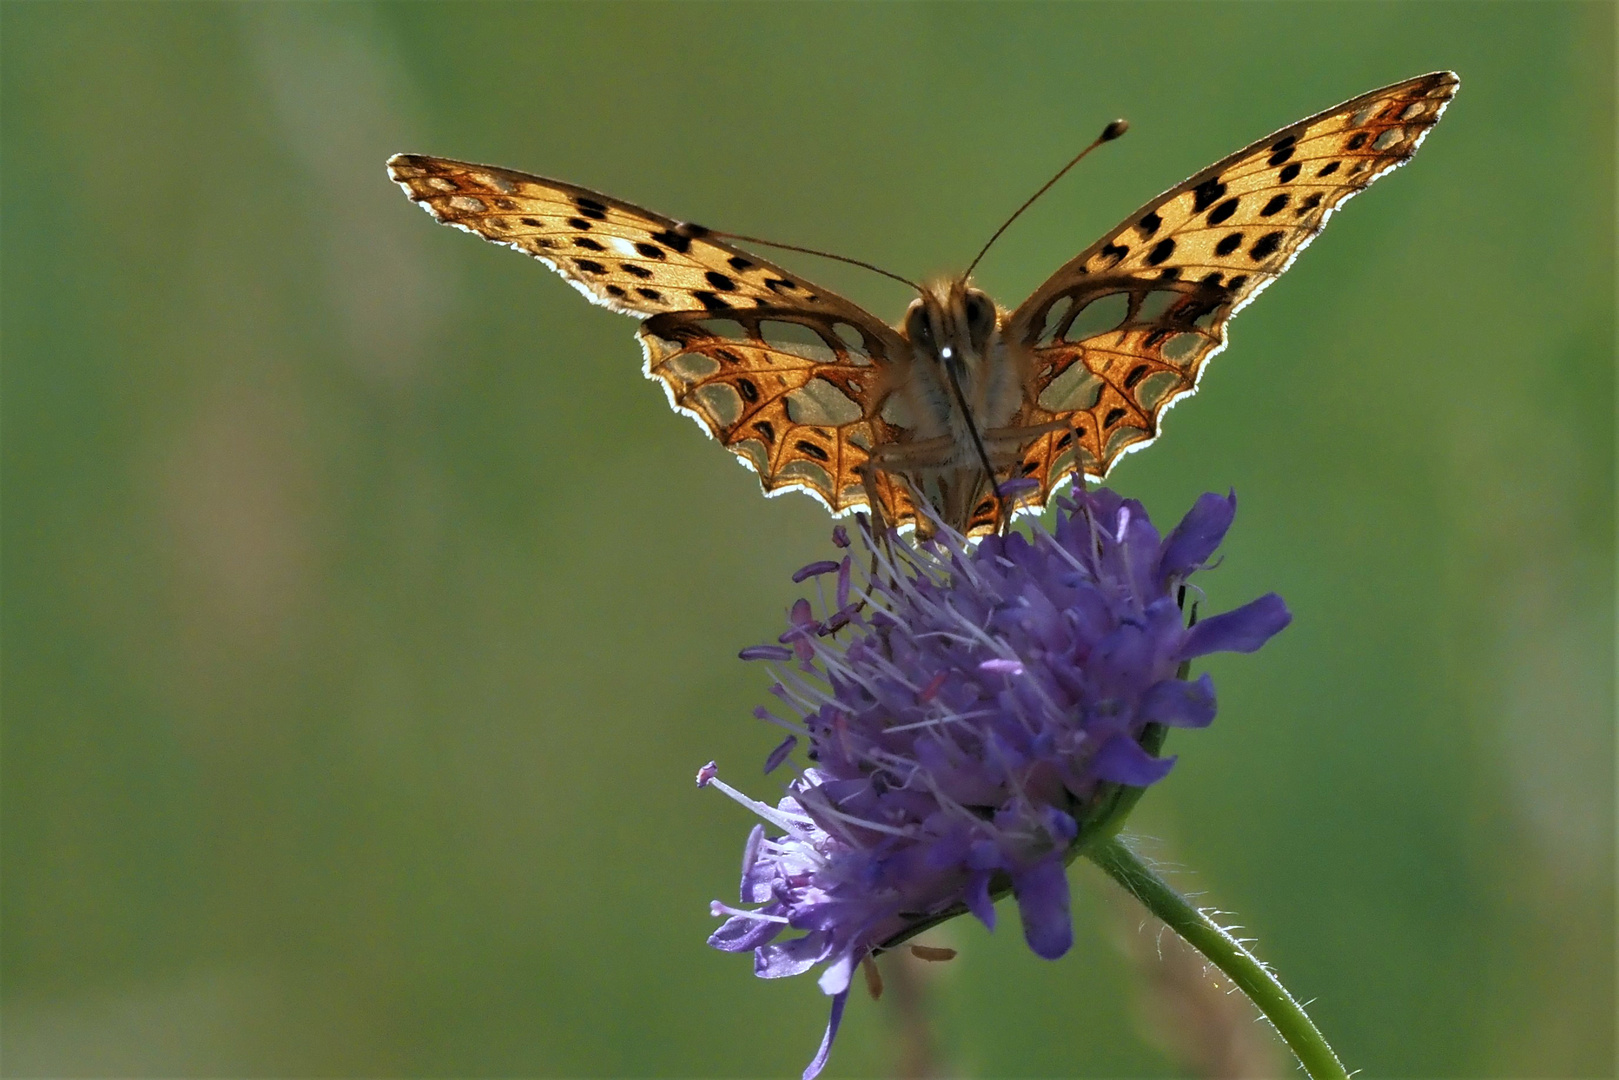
(366, 614)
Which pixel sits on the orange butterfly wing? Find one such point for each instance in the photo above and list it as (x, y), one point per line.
(789, 376)
(1126, 328)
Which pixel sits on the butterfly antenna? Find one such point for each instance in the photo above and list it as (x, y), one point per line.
(1109, 133)
(812, 251)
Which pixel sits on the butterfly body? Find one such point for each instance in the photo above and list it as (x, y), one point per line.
(956, 403)
(815, 394)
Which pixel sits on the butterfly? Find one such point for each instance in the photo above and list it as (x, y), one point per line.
(963, 412)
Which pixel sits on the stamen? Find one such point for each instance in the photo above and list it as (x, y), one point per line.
(933, 954)
(708, 777)
(779, 754)
(874, 978)
(716, 909)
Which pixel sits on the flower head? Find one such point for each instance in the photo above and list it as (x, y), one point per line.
(973, 714)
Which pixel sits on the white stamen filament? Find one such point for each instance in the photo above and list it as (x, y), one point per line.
(769, 813)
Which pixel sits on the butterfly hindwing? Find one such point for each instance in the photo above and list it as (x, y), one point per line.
(1127, 326)
(796, 394)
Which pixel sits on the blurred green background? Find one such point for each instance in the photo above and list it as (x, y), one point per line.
(366, 614)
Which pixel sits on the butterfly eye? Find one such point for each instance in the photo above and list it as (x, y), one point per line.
(916, 325)
(980, 313)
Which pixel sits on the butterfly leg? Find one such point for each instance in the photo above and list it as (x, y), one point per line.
(941, 488)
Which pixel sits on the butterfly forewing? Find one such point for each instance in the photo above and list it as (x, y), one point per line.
(620, 256)
(1126, 327)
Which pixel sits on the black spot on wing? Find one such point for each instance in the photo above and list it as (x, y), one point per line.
(578, 223)
(673, 240)
(1224, 211)
(587, 243)
(635, 270)
(1162, 250)
(1329, 168)
(590, 266)
(1228, 244)
(1276, 203)
(650, 251)
(710, 301)
(651, 294)
(1266, 246)
(720, 281)
(1289, 173)
(812, 450)
(1207, 194)
(1148, 225)
(746, 388)
(739, 263)
(1356, 141)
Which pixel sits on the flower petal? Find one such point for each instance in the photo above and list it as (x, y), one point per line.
(1243, 630)
(978, 899)
(840, 972)
(1122, 761)
(1178, 703)
(819, 1061)
(778, 961)
(755, 878)
(1198, 534)
(740, 933)
(1042, 901)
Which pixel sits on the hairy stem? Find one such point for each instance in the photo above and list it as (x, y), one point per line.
(1224, 952)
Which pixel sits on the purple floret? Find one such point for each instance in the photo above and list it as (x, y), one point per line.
(970, 711)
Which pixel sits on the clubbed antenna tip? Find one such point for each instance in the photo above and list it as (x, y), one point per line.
(1109, 133)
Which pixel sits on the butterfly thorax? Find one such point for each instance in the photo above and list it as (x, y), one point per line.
(962, 382)
(959, 358)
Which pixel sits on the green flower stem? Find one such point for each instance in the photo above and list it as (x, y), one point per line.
(1224, 952)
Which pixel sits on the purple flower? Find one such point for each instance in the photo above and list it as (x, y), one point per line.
(974, 714)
